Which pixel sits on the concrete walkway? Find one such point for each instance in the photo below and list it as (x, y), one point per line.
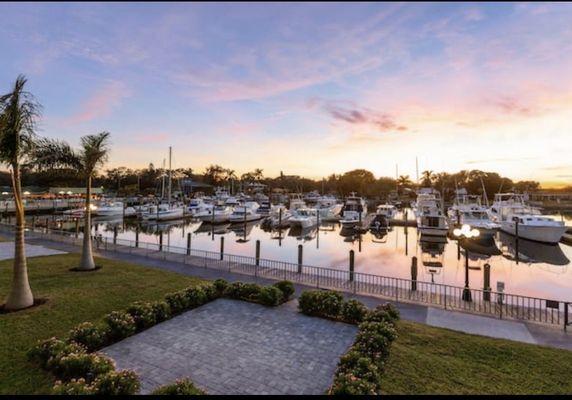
(230, 346)
(7, 250)
(468, 323)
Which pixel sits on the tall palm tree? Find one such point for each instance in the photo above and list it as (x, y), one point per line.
(427, 178)
(18, 113)
(92, 155)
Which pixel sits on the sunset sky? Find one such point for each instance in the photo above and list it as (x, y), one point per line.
(308, 89)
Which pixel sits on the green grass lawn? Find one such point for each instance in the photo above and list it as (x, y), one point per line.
(423, 360)
(73, 297)
(428, 360)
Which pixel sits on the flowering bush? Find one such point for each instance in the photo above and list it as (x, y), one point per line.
(80, 365)
(287, 289)
(180, 387)
(349, 384)
(178, 301)
(161, 310)
(243, 291)
(121, 325)
(74, 387)
(196, 297)
(353, 311)
(51, 348)
(117, 383)
(383, 313)
(220, 285)
(270, 296)
(143, 315)
(321, 303)
(211, 292)
(91, 336)
(374, 339)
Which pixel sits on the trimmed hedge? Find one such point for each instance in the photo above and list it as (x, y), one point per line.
(182, 387)
(360, 369)
(81, 370)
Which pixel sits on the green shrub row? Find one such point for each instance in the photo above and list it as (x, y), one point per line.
(181, 387)
(360, 369)
(80, 369)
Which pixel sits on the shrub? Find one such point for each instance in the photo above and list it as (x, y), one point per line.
(196, 297)
(353, 311)
(243, 291)
(143, 315)
(74, 387)
(362, 367)
(91, 336)
(374, 340)
(121, 324)
(178, 301)
(180, 387)
(117, 383)
(220, 285)
(211, 292)
(349, 384)
(270, 296)
(287, 289)
(80, 365)
(161, 311)
(383, 313)
(51, 348)
(321, 303)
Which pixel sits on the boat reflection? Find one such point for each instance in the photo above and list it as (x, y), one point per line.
(531, 252)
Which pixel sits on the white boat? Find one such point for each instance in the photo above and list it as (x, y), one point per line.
(264, 209)
(304, 218)
(329, 209)
(197, 206)
(430, 218)
(108, 209)
(384, 213)
(275, 220)
(353, 211)
(164, 212)
(296, 202)
(510, 208)
(468, 210)
(215, 213)
(245, 213)
(387, 210)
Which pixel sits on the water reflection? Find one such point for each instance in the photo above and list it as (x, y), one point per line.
(542, 270)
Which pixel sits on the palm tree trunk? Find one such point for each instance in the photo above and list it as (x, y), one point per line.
(86, 262)
(20, 295)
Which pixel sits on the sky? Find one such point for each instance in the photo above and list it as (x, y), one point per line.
(307, 89)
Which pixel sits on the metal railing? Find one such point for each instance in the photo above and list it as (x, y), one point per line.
(500, 305)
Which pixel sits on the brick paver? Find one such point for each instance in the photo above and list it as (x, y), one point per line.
(235, 347)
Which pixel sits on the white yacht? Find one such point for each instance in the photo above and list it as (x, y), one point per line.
(353, 211)
(510, 208)
(245, 213)
(264, 209)
(304, 218)
(384, 213)
(217, 213)
(430, 218)
(164, 212)
(197, 206)
(275, 220)
(108, 209)
(387, 210)
(468, 210)
(296, 202)
(329, 209)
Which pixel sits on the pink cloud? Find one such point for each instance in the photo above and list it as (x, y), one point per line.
(152, 137)
(100, 104)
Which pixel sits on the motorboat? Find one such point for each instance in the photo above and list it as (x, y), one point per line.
(468, 210)
(353, 211)
(430, 218)
(532, 252)
(296, 202)
(304, 218)
(108, 209)
(279, 217)
(197, 206)
(510, 211)
(245, 213)
(329, 209)
(164, 212)
(217, 213)
(264, 209)
(384, 213)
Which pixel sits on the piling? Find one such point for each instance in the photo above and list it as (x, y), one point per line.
(189, 244)
(300, 258)
(516, 221)
(413, 274)
(137, 236)
(115, 235)
(257, 253)
(352, 260)
(161, 241)
(221, 247)
(76, 227)
(487, 283)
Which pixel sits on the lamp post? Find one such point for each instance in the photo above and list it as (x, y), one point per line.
(462, 234)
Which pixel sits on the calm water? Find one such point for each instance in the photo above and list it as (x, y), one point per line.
(542, 270)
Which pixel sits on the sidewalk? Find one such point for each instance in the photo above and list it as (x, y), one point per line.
(463, 322)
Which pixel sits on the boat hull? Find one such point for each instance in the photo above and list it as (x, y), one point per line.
(543, 234)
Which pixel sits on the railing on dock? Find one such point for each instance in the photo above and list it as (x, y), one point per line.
(484, 302)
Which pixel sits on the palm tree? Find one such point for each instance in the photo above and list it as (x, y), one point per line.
(93, 154)
(18, 114)
(231, 176)
(257, 174)
(427, 178)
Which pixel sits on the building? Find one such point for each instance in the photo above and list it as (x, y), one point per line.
(189, 186)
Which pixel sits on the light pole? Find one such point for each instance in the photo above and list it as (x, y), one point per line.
(462, 235)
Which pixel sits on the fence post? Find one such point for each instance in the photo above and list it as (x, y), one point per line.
(487, 283)
(221, 247)
(352, 255)
(76, 228)
(189, 244)
(257, 253)
(137, 236)
(115, 235)
(161, 241)
(565, 316)
(300, 258)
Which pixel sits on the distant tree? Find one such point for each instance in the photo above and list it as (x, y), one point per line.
(427, 178)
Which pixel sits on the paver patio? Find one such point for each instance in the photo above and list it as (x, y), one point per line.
(235, 347)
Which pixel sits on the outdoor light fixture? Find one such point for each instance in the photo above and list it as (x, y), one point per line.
(466, 233)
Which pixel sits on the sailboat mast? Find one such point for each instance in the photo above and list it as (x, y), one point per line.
(417, 170)
(170, 154)
(163, 181)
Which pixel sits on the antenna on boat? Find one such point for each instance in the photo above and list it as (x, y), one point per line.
(170, 154)
(484, 191)
(417, 169)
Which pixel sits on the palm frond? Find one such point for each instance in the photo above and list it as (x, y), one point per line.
(55, 154)
(95, 151)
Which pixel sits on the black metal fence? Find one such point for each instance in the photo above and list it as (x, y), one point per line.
(484, 302)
